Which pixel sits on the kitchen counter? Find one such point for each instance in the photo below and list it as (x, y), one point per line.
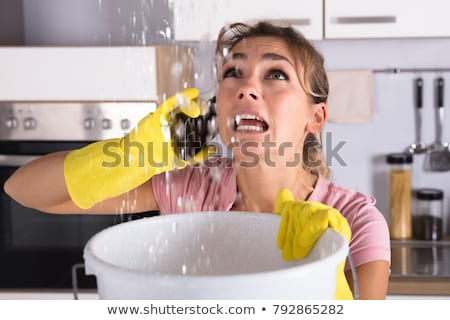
(420, 267)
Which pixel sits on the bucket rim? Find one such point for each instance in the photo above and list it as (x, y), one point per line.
(339, 255)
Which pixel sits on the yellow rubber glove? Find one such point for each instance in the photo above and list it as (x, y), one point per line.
(302, 224)
(112, 167)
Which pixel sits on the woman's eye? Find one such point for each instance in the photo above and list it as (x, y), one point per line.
(232, 73)
(277, 75)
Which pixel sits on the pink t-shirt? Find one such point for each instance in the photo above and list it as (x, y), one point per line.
(212, 187)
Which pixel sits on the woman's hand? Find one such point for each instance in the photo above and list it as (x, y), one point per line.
(302, 224)
(109, 168)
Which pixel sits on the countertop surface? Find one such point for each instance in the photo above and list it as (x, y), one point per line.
(420, 267)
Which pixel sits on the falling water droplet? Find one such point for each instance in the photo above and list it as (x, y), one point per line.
(133, 19)
(144, 38)
(215, 173)
(231, 122)
(176, 69)
(179, 204)
(234, 140)
(183, 269)
(174, 227)
(216, 204)
(208, 263)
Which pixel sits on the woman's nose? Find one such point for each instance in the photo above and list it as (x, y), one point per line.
(247, 93)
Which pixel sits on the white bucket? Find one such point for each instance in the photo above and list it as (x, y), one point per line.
(209, 255)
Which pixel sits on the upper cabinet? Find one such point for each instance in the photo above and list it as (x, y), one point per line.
(196, 20)
(351, 19)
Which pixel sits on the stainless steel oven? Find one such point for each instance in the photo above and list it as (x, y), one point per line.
(61, 98)
(39, 250)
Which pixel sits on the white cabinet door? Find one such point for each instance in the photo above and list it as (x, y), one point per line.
(386, 18)
(196, 20)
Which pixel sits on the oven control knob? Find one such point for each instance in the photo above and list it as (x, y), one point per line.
(12, 123)
(106, 124)
(89, 123)
(29, 123)
(125, 124)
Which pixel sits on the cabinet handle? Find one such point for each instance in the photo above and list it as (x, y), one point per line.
(362, 20)
(293, 22)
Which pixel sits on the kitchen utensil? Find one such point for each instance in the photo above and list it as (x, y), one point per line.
(418, 146)
(439, 157)
(209, 255)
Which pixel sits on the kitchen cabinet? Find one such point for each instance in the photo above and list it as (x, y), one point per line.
(201, 20)
(351, 19)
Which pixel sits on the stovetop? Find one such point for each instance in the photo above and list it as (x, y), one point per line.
(70, 121)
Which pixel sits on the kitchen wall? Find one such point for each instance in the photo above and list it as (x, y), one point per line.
(11, 23)
(392, 126)
(96, 22)
(140, 22)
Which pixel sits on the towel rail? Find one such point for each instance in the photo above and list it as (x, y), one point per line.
(411, 70)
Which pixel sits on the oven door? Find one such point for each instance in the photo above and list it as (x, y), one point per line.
(38, 250)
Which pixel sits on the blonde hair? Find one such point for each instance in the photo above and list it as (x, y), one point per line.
(310, 64)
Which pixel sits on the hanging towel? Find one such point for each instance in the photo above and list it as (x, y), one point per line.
(350, 98)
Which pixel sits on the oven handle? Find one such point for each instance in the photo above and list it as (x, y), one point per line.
(15, 160)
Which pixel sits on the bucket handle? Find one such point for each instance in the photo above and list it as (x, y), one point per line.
(75, 268)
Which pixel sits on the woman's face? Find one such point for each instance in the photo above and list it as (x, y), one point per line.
(262, 106)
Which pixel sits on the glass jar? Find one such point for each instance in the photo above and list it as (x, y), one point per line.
(428, 215)
(400, 195)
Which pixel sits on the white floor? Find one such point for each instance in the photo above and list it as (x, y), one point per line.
(46, 295)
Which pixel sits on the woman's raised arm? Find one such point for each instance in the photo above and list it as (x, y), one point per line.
(40, 185)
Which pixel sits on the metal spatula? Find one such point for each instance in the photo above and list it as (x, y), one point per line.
(439, 156)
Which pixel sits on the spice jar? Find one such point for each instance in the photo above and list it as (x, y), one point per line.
(400, 195)
(428, 215)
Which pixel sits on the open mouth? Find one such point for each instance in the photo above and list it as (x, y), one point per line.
(250, 122)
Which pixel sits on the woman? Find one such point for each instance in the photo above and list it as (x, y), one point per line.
(271, 106)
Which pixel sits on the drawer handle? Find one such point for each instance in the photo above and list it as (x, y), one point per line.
(293, 22)
(362, 20)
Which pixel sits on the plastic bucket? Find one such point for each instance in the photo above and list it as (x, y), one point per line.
(209, 255)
